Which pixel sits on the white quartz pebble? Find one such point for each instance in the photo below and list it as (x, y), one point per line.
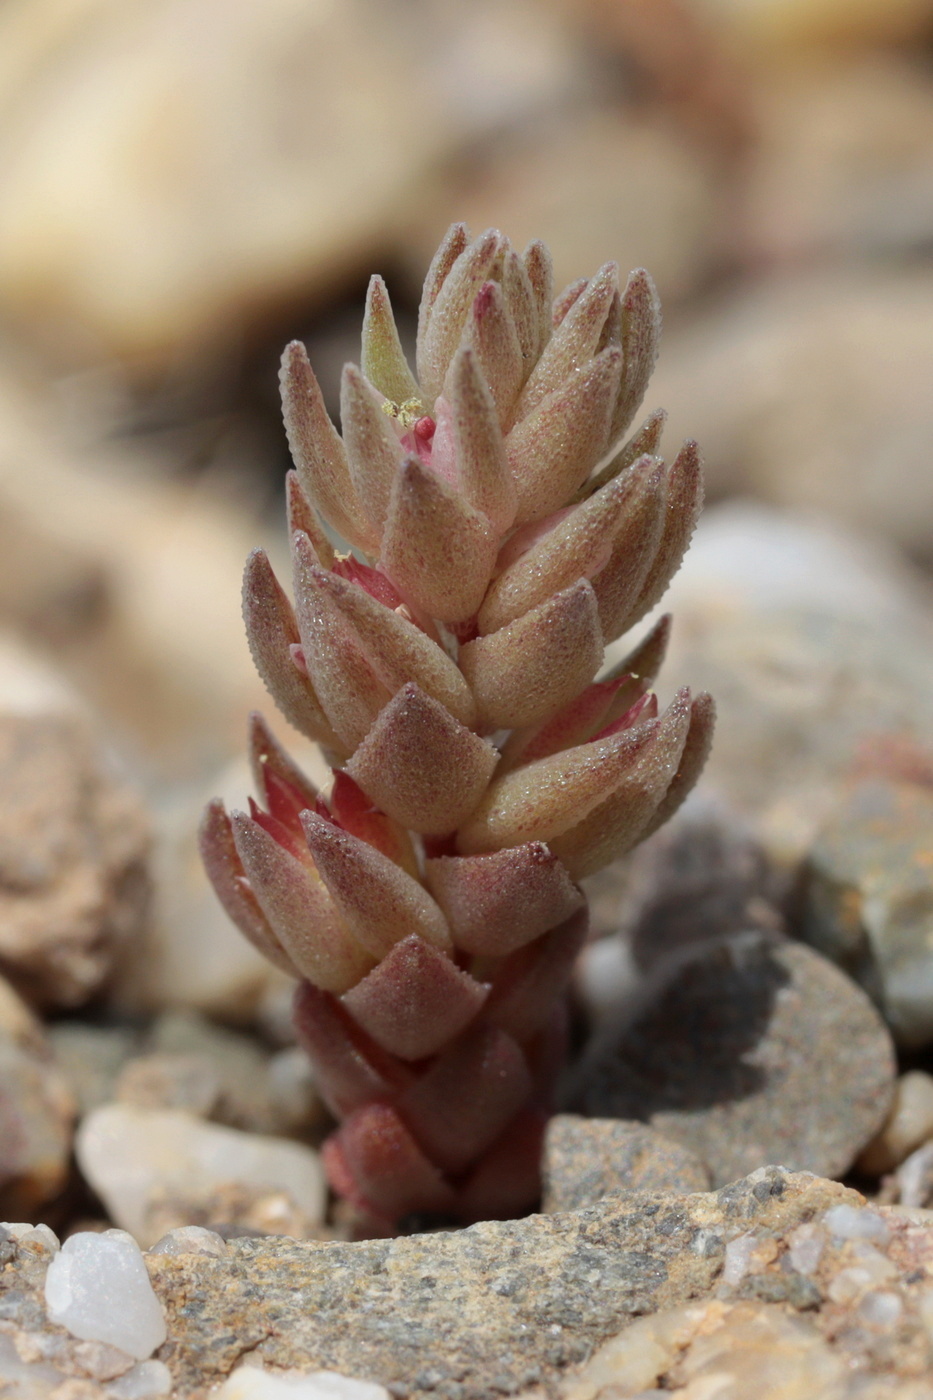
(98, 1288)
(856, 1223)
(251, 1383)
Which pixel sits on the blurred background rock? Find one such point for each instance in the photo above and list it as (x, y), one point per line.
(187, 184)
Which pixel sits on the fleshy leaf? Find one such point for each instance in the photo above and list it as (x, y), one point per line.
(682, 510)
(534, 978)
(468, 431)
(374, 1161)
(641, 334)
(437, 549)
(533, 666)
(538, 265)
(271, 630)
(355, 812)
(350, 694)
(318, 452)
(451, 310)
(618, 823)
(463, 1102)
(383, 361)
(226, 874)
(374, 450)
(374, 897)
(543, 799)
(301, 515)
(396, 650)
(422, 767)
(350, 1068)
(495, 342)
(299, 910)
(692, 761)
(455, 240)
(556, 446)
(620, 583)
(643, 443)
(416, 1000)
(574, 341)
(499, 902)
(577, 545)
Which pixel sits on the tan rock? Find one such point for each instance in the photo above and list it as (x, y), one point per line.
(909, 1125)
(73, 844)
(217, 159)
(767, 26)
(811, 392)
(36, 1113)
(843, 160)
(602, 184)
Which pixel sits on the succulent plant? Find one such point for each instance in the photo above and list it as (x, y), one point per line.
(503, 531)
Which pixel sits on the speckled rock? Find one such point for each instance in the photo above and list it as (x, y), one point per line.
(771, 1271)
(466, 1314)
(868, 900)
(756, 1049)
(586, 1159)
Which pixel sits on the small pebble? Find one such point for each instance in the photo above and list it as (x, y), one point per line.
(34, 1236)
(191, 1239)
(98, 1288)
(881, 1310)
(100, 1361)
(807, 1243)
(855, 1223)
(251, 1383)
(909, 1125)
(915, 1177)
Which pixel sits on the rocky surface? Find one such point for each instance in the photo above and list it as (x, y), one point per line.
(73, 847)
(586, 1159)
(753, 1049)
(867, 900)
(778, 1272)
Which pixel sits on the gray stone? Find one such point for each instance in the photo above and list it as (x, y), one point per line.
(868, 900)
(90, 1059)
(586, 1159)
(704, 874)
(819, 650)
(755, 1049)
